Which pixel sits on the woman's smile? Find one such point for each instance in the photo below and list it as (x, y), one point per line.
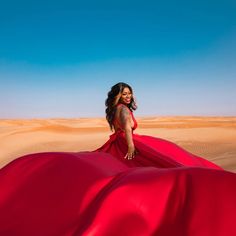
(126, 96)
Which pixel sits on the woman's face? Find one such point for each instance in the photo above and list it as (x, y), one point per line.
(126, 96)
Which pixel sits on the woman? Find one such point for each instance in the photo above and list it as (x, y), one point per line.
(140, 150)
(134, 185)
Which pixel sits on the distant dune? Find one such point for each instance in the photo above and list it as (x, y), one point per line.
(213, 138)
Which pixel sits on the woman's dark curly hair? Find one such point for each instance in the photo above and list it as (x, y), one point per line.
(113, 99)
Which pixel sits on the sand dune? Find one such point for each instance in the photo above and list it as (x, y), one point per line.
(213, 138)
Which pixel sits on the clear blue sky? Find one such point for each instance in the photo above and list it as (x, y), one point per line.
(60, 58)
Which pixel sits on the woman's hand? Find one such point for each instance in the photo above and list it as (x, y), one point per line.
(131, 153)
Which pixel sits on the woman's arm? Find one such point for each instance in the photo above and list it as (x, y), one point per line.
(125, 119)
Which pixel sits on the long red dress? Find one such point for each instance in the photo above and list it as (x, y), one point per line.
(163, 191)
(152, 151)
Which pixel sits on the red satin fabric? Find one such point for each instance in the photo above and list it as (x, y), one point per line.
(164, 191)
(152, 151)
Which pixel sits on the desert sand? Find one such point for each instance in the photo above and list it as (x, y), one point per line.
(213, 138)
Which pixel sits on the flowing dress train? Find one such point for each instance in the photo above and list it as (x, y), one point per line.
(163, 191)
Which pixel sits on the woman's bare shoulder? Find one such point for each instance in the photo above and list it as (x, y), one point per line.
(123, 113)
(122, 108)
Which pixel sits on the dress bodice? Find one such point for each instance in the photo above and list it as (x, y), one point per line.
(118, 124)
